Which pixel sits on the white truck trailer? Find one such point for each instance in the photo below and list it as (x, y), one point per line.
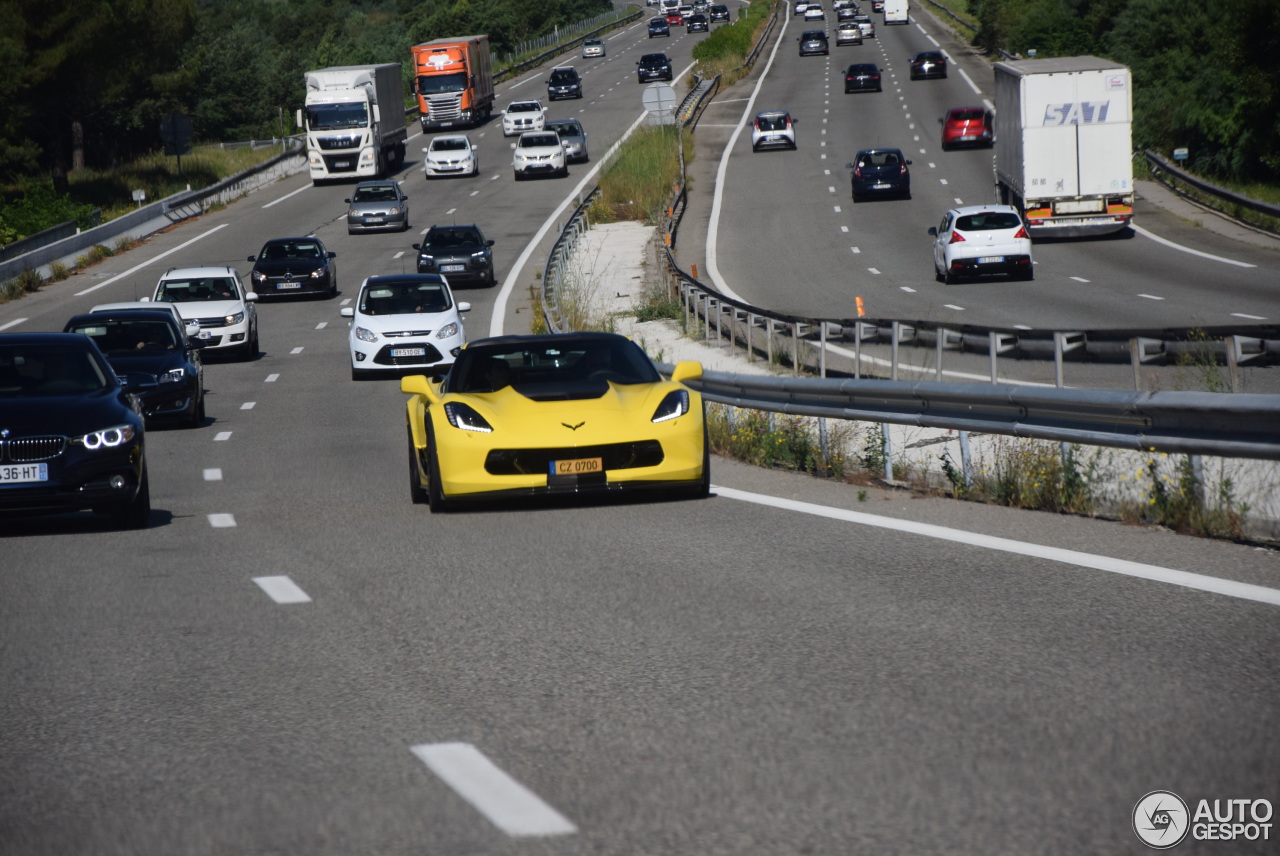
(1064, 144)
(354, 120)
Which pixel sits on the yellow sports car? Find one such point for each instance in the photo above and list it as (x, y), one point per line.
(570, 413)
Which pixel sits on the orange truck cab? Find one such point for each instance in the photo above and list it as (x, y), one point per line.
(453, 81)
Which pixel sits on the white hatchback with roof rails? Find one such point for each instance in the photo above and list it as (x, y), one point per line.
(216, 299)
(981, 239)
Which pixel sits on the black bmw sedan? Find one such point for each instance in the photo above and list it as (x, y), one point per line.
(293, 266)
(71, 433)
(151, 342)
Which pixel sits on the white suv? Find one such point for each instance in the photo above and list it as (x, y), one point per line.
(523, 116)
(216, 299)
(981, 239)
(539, 153)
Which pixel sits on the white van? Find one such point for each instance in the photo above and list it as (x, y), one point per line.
(895, 12)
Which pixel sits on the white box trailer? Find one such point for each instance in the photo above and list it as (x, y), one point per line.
(355, 121)
(1064, 143)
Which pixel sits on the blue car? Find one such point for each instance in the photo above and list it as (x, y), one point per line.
(659, 27)
(880, 172)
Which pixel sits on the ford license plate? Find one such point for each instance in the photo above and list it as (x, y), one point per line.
(990, 260)
(452, 268)
(408, 352)
(577, 466)
(17, 473)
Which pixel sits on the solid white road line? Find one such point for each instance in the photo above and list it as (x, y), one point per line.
(149, 261)
(282, 590)
(507, 804)
(1200, 582)
(1168, 243)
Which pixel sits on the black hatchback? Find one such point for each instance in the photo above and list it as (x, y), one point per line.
(564, 83)
(719, 14)
(814, 42)
(927, 64)
(289, 267)
(150, 342)
(71, 432)
(862, 77)
(458, 253)
(654, 66)
(880, 172)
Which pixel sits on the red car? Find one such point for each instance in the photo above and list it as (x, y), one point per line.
(675, 18)
(967, 126)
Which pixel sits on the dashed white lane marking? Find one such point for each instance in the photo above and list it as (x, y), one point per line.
(959, 201)
(282, 590)
(837, 208)
(475, 193)
(213, 474)
(450, 211)
(873, 270)
(221, 435)
(1186, 579)
(1022, 327)
(507, 804)
(222, 521)
(953, 306)
(1079, 279)
(296, 351)
(322, 325)
(398, 255)
(831, 189)
(345, 301)
(1151, 297)
(855, 250)
(272, 378)
(943, 180)
(288, 195)
(908, 289)
(844, 228)
(1249, 317)
(14, 323)
(248, 405)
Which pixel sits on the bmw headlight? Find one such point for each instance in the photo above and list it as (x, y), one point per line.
(107, 438)
(465, 418)
(447, 331)
(675, 404)
(366, 335)
(173, 375)
(234, 319)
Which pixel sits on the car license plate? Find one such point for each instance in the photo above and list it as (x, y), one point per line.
(882, 186)
(990, 260)
(577, 466)
(375, 219)
(452, 268)
(408, 352)
(16, 473)
(288, 285)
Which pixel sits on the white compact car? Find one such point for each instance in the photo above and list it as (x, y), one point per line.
(404, 323)
(980, 239)
(814, 13)
(451, 154)
(773, 129)
(523, 116)
(216, 299)
(539, 153)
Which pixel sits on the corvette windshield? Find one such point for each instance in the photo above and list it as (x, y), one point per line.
(558, 369)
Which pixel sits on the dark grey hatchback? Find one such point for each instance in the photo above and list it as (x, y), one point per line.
(814, 42)
(880, 172)
(458, 253)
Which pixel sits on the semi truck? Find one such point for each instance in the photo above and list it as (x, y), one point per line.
(1064, 144)
(453, 79)
(896, 12)
(354, 121)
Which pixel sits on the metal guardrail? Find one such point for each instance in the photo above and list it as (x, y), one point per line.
(1236, 426)
(553, 272)
(1161, 167)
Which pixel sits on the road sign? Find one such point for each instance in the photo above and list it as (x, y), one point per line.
(1180, 154)
(660, 101)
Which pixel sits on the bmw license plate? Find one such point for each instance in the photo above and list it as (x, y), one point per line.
(17, 473)
(284, 285)
(990, 260)
(408, 352)
(577, 466)
(452, 268)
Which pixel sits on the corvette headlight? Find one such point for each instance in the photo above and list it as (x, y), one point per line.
(107, 438)
(465, 418)
(365, 335)
(448, 330)
(173, 375)
(675, 404)
(234, 319)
